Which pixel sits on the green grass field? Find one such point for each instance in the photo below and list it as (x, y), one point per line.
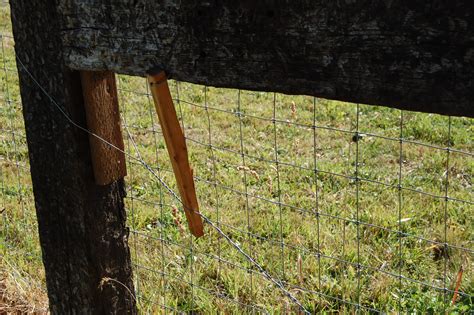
(280, 213)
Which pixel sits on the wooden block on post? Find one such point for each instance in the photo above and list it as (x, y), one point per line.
(177, 150)
(103, 119)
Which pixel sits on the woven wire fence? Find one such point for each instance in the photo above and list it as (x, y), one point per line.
(309, 204)
(347, 206)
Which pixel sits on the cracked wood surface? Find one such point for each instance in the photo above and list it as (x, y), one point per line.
(415, 55)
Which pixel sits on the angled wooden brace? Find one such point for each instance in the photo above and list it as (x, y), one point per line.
(177, 149)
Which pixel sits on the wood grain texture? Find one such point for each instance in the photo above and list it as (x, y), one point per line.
(82, 226)
(103, 119)
(415, 55)
(177, 150)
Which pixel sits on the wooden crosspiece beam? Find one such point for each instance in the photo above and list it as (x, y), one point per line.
(177, 150)
(412, 55)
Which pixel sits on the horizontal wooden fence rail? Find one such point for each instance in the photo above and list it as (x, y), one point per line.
(412, 55)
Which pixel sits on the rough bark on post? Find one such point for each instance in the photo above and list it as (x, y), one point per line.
(82, 226)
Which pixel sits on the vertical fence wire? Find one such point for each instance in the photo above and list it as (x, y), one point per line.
(160, 192)
(214, 179)
(316, 192)
(191, 247)
(10, 105)
(357, 184)
(244, 179)
(446, 201)
(400, 207)
(277, 166)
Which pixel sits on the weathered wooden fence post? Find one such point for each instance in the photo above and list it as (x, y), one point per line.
(82, 225)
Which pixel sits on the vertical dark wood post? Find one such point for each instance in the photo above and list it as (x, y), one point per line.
(82, 225)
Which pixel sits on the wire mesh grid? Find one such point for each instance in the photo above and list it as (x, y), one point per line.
(311, 205)
(350, 207)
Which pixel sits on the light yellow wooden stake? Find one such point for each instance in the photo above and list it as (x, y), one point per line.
(177, 150)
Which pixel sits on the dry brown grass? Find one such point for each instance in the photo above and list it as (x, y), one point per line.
(17, 296)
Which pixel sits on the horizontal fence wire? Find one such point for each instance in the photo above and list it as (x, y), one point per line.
(286, 196)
